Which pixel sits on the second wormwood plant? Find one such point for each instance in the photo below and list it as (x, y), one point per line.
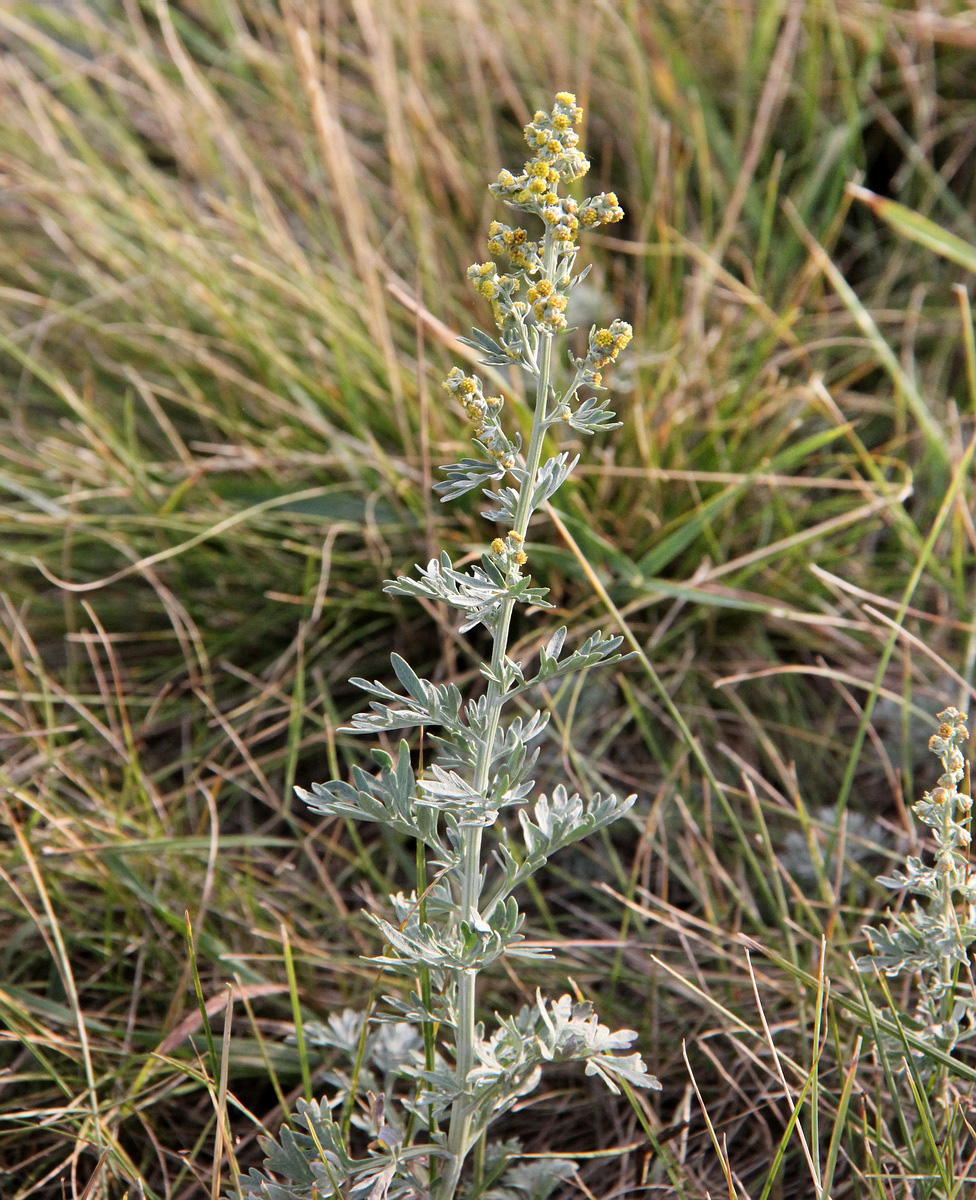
(427, 1078)
(933, 940)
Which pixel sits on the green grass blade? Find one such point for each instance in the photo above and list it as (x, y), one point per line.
(917, 228)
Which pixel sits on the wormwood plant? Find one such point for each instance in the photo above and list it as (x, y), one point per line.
(427, 1077)
(933, 938)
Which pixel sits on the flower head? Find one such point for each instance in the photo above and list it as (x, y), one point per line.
(603, 209)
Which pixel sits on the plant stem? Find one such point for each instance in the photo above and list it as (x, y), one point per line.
(943, 1011)
(460, 1135)
(426, 994)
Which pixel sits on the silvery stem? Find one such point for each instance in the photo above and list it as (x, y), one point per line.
(459, 1138)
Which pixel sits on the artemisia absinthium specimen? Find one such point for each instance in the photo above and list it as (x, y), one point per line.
(933, 938)
(427, 1077)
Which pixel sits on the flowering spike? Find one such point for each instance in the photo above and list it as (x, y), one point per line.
(443, 933)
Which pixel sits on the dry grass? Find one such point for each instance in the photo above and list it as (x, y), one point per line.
(231, 276)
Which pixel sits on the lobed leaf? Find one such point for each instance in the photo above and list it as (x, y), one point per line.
(467, 475)
(389, 798)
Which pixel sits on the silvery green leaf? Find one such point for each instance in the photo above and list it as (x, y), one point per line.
(560, 1028)
(479, 717)
(535, 1180)
(922, 880)
(549, 826)
(498, 1092)
(532, 953)
(440, 1091)
(460, 948)
(467, 475)
(511, 741)
(448, 790)
(499, 1156)
(593, 415)
(505, 502)
(524, 592)
(417, 943)
(552, 474)
(895, 950)
(384, 718)
(457, 749)
(510, 674)
(394, 1046)
(411, 681)
(510, 783)
(495, 355)
(303, 1161)
(388, 798)
(596, 649)
(440, 902)
(433, 704)
(521, 346)
(507, 1063)
(572, 1030)
(524, 729)
(412, 1009)
(479, 592)
(966, 935)
(557, 1031)
(342, 1031)
(471, 592)
(509, 787)
(511, 871)
(565, 819)
(554, 647)
(480, 340)
(627, 1067)
(460, 748)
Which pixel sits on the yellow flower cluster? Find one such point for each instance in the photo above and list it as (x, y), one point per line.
(603, 209)
(500, 290)
(557, 158)
(555, 141)
(533, 298)
(483, 412)
(606, 344)
(484, 276)
(548, 305)
(522, 253)
(508, 552)
(946, 743)
(560, 215)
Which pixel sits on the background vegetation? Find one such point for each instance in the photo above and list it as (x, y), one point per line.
(233, 241)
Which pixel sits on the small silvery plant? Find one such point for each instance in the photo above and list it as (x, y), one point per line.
(427, 1078)
(932, 940)
(933, 937)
